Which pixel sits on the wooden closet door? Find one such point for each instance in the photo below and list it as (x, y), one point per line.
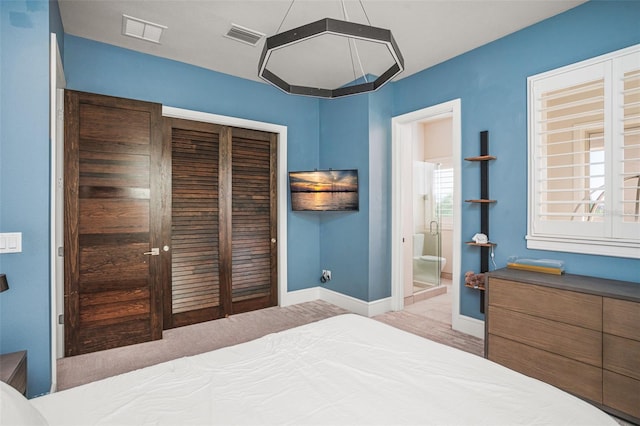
(223, 222)
(193, 291)
(113, 206)
(253, 220)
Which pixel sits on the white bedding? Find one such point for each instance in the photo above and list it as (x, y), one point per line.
(343, 370)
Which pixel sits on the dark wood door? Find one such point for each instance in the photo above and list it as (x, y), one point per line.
(223, 222)
(193, 291)
(254, 219)
(113, 207)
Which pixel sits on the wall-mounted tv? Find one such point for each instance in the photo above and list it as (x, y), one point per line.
(324, 190)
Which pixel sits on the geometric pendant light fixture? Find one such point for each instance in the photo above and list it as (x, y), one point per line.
(342, 29)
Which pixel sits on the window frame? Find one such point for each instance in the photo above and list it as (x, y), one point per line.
(446, 221)
(597, 240)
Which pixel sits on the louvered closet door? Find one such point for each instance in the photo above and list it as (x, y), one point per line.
(223, 222)
(113, 208)
(254, 219)
(194, 293)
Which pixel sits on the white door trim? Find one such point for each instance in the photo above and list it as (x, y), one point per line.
(57, 83)
(399, 125)
(282, 175)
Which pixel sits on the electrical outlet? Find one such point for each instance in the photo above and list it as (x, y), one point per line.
(326, 275)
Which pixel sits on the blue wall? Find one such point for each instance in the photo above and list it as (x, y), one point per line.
(380, 114)
(491, 81)
(55, 24)
(355, 132)
(351, 132)
(344, 240)
(24, 183)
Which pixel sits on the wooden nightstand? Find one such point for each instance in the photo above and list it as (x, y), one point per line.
(13, 370)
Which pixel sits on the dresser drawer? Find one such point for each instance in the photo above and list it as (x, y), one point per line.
(581, 344)
(621, 317)
(621, 355)
(583, 310)
(622, 393)
(573, 376)
(545, 326)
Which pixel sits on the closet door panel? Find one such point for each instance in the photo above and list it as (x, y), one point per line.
(223, 222)
(194, 288)
(253, 176)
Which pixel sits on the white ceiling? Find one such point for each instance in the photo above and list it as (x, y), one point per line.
(427, 31)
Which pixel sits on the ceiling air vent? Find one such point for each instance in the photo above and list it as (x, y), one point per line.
(139, 28)
(244, 35)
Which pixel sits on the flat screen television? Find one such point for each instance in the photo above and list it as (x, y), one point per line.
(324, 190)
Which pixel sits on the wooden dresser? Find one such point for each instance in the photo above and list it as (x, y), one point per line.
(581, 334)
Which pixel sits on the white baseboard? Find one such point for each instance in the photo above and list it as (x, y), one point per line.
(367, 309)
(468, 325)
(349, 303)
(380, 306)
(300, 296)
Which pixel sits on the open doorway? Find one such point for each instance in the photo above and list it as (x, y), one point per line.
(427, 176)
(407, 129)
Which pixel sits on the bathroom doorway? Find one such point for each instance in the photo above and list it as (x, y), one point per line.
(431, 136)
(431, 220)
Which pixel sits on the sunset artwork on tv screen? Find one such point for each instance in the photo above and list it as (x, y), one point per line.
(324, 190)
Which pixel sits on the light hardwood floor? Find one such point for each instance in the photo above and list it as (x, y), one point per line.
(437, 308)
(431, 318)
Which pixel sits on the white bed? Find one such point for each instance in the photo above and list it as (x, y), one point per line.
(343, 370)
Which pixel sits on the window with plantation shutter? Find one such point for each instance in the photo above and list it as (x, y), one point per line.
(584, 157)
(628, 161)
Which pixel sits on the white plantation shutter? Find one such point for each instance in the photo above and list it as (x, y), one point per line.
(626, 168)
(584, 146)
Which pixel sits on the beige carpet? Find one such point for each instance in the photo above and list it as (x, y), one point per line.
(207, 336)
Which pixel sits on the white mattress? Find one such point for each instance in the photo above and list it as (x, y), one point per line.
(343, 370)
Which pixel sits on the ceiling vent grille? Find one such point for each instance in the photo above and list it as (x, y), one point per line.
(139, 28)
(244, 35)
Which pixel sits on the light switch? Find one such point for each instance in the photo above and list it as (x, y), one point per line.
(11, 242)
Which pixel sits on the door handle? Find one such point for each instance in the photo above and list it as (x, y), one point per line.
(154, 252)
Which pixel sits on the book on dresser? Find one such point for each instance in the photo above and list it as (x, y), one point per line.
(581, 334)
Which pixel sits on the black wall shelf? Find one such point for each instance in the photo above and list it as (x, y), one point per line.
(484, 202)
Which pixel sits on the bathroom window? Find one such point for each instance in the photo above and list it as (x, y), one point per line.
(443, 192)
(584, 157)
